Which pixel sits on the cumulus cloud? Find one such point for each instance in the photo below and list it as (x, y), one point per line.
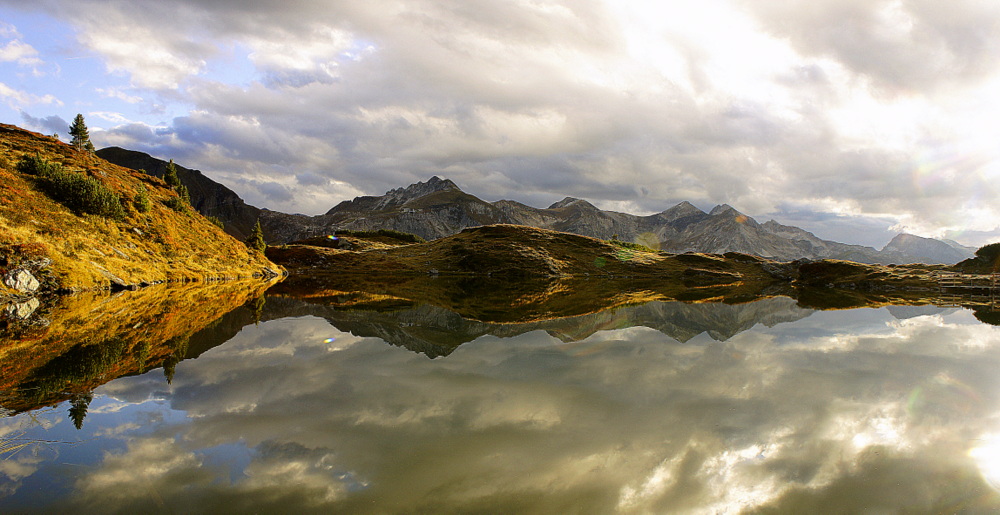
(725, 101)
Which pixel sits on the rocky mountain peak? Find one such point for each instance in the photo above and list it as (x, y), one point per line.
(571, 201)
(723, 209)
(681, 210)
(420, 189)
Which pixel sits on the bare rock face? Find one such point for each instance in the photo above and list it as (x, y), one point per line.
(22, 281)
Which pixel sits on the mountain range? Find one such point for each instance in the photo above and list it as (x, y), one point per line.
(438, 208)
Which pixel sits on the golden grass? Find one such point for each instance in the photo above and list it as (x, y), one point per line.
(88, 251)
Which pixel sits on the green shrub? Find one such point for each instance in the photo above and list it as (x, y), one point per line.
(176, 203)
(141, 201)
(216, 221)
(76, 191)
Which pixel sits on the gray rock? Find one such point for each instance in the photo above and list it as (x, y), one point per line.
(22, 281)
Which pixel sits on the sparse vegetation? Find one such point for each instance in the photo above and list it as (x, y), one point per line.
(216, 221)
(76, 191)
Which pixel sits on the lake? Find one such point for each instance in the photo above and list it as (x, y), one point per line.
(282, 404)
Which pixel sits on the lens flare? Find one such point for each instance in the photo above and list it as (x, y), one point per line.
(987, 458)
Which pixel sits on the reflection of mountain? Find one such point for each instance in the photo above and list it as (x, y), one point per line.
(904, 312)
(436, 331)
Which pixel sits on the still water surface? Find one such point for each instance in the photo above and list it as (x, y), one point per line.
(661, 408)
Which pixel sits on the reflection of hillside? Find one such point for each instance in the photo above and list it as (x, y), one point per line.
(86, 340)
(436, 331)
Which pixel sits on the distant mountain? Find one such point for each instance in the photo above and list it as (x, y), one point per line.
(927, 250)
(439, 208)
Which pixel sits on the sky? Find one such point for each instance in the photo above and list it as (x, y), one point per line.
(854, 119)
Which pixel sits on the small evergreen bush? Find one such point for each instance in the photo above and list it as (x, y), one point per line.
(216, 221)
(141, 201)
(176, 203)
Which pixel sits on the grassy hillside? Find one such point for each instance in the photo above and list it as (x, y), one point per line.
(70, 245)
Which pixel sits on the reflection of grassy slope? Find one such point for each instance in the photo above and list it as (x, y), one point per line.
(94, 338)
(516, 252)
(500, 300)
(159, 245)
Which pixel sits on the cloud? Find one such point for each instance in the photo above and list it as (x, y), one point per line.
(17, 98)
(19, 52)
(636, 103)
(49, 124)
(625, 420)
(902, 46)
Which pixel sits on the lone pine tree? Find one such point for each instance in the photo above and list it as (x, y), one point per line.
(256, 239)
(80, 135)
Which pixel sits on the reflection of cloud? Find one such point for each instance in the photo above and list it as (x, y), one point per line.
(643, 424)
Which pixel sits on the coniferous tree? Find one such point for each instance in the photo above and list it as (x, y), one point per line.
(170, 176)
(78, 408)
(80, 135)
(174, 181)
(256, 239)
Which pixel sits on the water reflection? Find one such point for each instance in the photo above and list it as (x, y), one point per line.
(653, 408)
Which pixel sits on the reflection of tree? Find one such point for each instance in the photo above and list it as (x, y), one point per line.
(179, 345)
(257, 307)
(78, 408)
(143, 355)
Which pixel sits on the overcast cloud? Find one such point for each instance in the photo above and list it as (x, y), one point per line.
(863, 113)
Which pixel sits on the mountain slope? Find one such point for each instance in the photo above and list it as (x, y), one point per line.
(68, 247)
(207, 196)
